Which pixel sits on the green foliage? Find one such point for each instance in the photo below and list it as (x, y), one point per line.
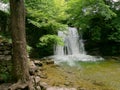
(44, 12)
(5, 1)
(29, 49)
(47, 39)
(44, 19)
(96, 35)
(115, 31)
(84, 11)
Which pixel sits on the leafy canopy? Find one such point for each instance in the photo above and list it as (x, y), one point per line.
(85, 10)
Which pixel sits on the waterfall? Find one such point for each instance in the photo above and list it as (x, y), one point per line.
(73, 49)
(4, 7)
(73, 43)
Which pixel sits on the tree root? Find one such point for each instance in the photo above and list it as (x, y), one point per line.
(21, 86)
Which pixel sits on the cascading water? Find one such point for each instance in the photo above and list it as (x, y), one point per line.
(4, 7)
(72, 44)
(73, 49)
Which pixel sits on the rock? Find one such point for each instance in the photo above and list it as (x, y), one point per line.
(31, 64)
(40, 68)
(39, 73)
(38, 63)
(32, 68)
(33, 88)
(98, 83)
(38, 88)
(43, 75)
(2, 57)
(67, 83)
(115, 58)
(37, 79)
(70, 72)
(49, 62)
(81, 88)
(7, 52)
(8, 57)
(32, 78)
(43, 85)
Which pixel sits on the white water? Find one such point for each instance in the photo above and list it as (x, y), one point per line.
(73, 49)
(4, 7)
(72, 44)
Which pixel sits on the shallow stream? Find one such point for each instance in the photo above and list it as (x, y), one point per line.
(97, 75)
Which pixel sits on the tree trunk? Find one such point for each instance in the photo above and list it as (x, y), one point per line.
(20, 60)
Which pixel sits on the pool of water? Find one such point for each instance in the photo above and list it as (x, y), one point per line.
(97, 75)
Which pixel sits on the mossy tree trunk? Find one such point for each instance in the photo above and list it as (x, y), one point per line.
(20, 60)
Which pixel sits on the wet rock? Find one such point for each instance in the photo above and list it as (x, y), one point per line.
(43, 75)
(81, 88)
(49, 62)
(115, 58)
(67, 83)
(43, 85)
(38, 63)
(70, 72)
(98, 83)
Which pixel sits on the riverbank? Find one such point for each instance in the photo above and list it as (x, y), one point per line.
(99, 75)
